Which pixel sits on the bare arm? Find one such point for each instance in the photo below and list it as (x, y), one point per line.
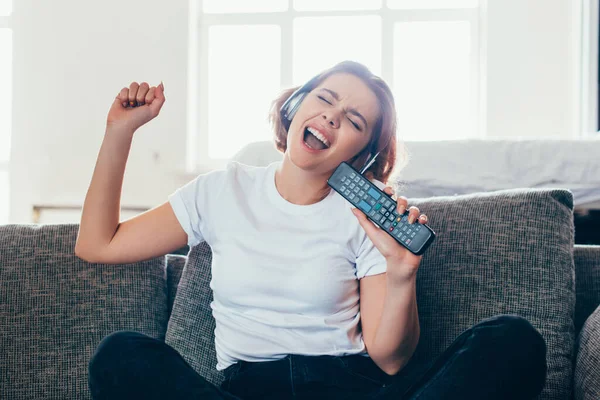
(101, 237)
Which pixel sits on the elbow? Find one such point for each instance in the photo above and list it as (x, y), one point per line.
(393, 369)
(85, 255)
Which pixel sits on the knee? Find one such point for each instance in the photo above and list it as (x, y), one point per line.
(112, 350)
(518, 340)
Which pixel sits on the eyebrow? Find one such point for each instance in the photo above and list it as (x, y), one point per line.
(350, 110)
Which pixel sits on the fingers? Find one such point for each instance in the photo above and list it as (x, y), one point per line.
(414, 213)
(141, 94)
(133, 88)
(124, 97)
(149, 96)
(140, 97)
(159, 99)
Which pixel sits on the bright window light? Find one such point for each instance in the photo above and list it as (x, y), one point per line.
(5, 8)
(244, 73)
(5, 93)
(331, 5)
(432, 80)
(243, 6)
(322, 42)
(4, 199)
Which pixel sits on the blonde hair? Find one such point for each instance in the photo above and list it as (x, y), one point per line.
(383, 139)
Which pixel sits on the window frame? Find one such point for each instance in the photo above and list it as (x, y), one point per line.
(6, 23)
(197, 160)
(586, 53)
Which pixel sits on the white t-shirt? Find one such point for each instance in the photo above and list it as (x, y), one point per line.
(284, 276)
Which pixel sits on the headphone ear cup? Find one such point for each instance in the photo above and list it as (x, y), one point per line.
(290, 107)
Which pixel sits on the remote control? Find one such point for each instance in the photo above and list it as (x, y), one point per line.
(380, 208)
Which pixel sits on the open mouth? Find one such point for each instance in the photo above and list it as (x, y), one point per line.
(314, 139)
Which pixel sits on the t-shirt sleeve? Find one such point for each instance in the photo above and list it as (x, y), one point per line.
(194, 202)
(369, 260)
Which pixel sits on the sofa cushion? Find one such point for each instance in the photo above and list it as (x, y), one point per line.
(55, 309)
(503, 252)
(191, 325)
(587, 272)
(587, 366)
(175, 264)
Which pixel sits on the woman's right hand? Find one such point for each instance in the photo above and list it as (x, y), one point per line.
(136, 105)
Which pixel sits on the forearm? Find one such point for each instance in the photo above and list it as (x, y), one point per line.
(398, 332)
(101, 209)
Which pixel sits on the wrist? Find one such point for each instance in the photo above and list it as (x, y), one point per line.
(122, 130)
(401, 274)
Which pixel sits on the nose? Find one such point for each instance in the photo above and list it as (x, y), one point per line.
(332, 118)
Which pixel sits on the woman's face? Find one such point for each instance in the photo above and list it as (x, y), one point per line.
(342, 110)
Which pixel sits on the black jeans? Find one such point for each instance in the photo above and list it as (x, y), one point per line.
(502, 357)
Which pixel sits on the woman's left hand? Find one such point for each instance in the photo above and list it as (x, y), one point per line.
(405, 263)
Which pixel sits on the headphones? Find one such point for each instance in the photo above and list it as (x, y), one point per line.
(289, 109)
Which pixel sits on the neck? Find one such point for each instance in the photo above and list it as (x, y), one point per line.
(299, 186)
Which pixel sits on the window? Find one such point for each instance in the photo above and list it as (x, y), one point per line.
(244, 53)
(5, 106)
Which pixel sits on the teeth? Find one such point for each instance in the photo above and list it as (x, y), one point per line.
(318, 136)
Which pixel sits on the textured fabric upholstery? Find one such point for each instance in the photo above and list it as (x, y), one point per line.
(175, 264)
(587, 272)
(55, 308)
(509, 251)
(587, 365)
(191, 325)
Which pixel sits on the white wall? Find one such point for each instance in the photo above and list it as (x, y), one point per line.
(71, 58)
(530, 68)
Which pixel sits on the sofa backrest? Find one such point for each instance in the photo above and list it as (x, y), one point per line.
(55, 309)
(587, 279)
(504, 252)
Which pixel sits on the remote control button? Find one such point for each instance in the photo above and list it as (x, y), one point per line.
(357, 179)
(378, 206)
(343, 188)
(391, 217)
(391, 229)
(370, 200)
(352, 174)
(344, 179)
(352, 185)
(364, 206)
(351, 196)
(373, 193)
(387, 213)
(395, 223)
(386, 224)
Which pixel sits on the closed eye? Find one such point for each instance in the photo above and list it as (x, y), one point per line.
(353, 123)
(322, 98)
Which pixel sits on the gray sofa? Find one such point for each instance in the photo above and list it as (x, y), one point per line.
(508, 252)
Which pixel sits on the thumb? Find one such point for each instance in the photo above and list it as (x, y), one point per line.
(159, 99)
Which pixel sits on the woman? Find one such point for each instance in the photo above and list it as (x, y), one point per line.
(289, 267)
